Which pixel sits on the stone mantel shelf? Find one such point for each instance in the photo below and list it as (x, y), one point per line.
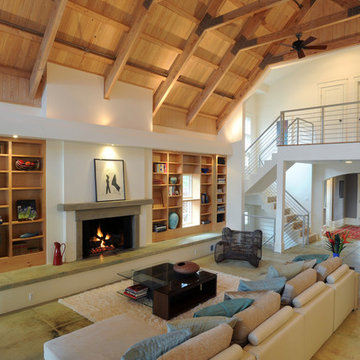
(103, 205)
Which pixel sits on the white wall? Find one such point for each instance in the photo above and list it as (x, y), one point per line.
(296, 85)
(79, 126)
(299, 183)
(79, 96)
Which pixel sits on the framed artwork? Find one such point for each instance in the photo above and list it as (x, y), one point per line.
(109, 179)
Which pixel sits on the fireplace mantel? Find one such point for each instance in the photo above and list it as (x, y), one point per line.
(103, 205)
(98, 210)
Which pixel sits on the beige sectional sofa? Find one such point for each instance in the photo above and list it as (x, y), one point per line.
(272, 330)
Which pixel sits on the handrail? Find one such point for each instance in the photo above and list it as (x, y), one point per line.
(298, 203)
(262, 152)
(322, 106)
(262, 134)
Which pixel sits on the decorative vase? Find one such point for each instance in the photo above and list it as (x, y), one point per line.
(186, 267)
(173, 180)
(173, 220)
(336, 255)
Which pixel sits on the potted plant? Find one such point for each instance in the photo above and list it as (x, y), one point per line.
(336, 242)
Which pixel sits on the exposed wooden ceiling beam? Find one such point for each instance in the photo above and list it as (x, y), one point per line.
(96, 56)
(184, 111)
(346, 4)
(248, 29)
(257, 71)
(7, 70)
(321, 22)
(182, 59)
(46, 45)
(248, 9)
(127, 45)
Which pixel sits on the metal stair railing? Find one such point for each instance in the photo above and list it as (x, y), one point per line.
(335, 123)
(264, 223)
(297, 210)
(264, 141)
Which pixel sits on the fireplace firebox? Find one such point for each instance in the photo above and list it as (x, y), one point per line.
(106, 236)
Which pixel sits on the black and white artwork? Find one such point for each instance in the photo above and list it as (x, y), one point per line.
(109, 179)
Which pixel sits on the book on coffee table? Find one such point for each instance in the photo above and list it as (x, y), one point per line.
(136, 291)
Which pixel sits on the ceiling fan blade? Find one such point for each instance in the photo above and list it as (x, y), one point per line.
(301, 54)
(316, 47)
(309, 40)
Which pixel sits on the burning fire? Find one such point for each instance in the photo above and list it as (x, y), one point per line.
(100, 237)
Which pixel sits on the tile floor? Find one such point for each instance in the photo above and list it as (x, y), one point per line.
(23, 333)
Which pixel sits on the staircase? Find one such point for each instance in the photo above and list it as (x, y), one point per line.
(260, 170)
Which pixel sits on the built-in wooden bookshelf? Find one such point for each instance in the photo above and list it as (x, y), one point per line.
(22, 241)
(169, 171)
(221, 174)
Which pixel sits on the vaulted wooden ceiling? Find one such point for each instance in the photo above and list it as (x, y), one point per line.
(200, 57)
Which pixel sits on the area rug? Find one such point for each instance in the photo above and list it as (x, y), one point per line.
(102, 303)
(354, 231)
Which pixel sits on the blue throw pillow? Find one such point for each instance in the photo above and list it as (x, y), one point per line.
(319, 257)
(276, 284)
(226, 308)
(153, 347)
(199, 325)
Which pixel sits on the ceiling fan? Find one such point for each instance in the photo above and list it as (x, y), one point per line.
(299, 45)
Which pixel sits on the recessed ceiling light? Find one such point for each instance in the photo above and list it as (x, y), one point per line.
(15, 136)
(348, 162)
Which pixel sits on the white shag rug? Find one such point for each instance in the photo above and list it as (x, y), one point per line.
(105, 302)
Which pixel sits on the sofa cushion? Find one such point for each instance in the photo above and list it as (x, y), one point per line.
(87, 343)
(337, 274)
(327, 267)
(153, 347)
(203, 346)
(262, 308)
(319, 257)
(244, 294)
(287, 270)
(226, 308)
(275, 284)
(200, 324)
(233, 352)
(308, 294)
(274, 322)
(309, 264)
(297, 285)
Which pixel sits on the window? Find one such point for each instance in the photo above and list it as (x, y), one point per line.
(187, 186)
(247, 132)
(191, 200)
(246, 218)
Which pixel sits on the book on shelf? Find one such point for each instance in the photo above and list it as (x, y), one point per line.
(160, 168)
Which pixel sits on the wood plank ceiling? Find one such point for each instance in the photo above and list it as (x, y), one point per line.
(200, 57)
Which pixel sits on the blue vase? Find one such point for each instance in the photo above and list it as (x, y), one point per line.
(173, 220)
(336, 255)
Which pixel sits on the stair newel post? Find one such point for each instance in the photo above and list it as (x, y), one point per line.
(280, 205)
(303, 230)
(322, 124)
(282, 128)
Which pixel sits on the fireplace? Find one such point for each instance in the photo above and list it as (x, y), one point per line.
(107, 236)
(79, 213)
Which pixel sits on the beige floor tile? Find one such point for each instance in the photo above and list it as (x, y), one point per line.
(76, 325)
(56, 314)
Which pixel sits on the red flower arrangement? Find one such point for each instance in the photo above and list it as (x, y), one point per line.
(336, 242)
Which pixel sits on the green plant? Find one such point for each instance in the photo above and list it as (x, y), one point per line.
(336, 242)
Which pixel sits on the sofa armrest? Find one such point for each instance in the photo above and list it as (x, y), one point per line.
(270, 325)
(309, 294)
(337, 274)
(234, 352)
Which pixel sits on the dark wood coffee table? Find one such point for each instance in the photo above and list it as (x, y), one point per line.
(173, 293)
